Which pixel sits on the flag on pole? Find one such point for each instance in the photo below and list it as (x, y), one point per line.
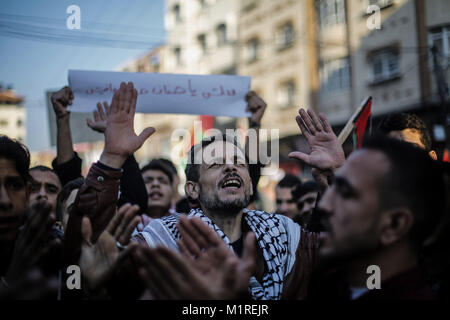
(360, 124)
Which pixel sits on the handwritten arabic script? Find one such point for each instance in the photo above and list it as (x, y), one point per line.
(165, 89)
(219, 95)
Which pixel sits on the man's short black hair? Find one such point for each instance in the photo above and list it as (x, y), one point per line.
(192, 169)
(402, 121)
(65, 193)
(414, 181)
(289, 181)
(44, 169)
(158, 164)
(17, 152)
(170, 165)
(304, 188)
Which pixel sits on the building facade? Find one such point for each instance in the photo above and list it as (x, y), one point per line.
(12, 115)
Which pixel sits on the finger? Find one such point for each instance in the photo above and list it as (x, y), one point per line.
(315, 120)
(126, 235)
(249, 95)
(124, 219)
(106, 106)
(96, 116)
(154, 289)
(133, 102)
(307, 121)
(86, 230)
(90, 123)
(185, 252)
(302, 127)
(123, 255)
(145, 135)
(40, 241)
(122, 96)
(101, 111)
(128, 97)
(326, 124)
(300, 156)
(188, 241)
(115, 107)
(114, 223)
(161, 274)
(127, 225)
(41, 219)
(209, 235)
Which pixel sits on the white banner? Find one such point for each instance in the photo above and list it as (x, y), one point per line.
(216, 95)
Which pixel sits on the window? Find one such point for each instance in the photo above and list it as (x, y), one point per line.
(252, 50)
(384, 65)
(221, 32)
(334, 75)
(439, 39)
(178, 59)
(202, 42)
(177, 13)
(286, 94)
(285, 36)
(331, 12)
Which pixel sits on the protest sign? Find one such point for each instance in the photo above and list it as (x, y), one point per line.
(216, 95)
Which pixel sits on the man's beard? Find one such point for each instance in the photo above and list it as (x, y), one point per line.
(231, 207)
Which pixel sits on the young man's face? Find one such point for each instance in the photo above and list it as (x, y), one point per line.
(307, 203)
(13, 200)
(286, 204)
(224, 182)
(159, 190)
(351, 206)
(412, 136)
(44, 187)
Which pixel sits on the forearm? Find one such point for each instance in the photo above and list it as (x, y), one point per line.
(64, 145)
(132, 186)
(97, 200)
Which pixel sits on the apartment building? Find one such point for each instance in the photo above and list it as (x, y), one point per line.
(12, 115)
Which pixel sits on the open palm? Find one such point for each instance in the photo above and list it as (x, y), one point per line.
(120, 138)
(326, 151)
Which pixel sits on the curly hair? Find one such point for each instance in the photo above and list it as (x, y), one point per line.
(402, 121)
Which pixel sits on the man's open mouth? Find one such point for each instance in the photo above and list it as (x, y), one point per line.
(232, 182)
(155, 194)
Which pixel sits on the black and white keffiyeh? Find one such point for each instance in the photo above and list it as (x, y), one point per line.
(277, 237)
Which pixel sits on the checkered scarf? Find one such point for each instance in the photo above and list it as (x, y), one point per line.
(277, 237)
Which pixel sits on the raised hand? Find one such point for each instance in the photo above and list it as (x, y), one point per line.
(60, 100)
(100, 118)
(206, 268)
(99, 260)
(326, 151)
(32, 242)
(256, 106)
(120, 138)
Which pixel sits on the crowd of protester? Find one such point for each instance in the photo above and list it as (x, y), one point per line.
(133, 236)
